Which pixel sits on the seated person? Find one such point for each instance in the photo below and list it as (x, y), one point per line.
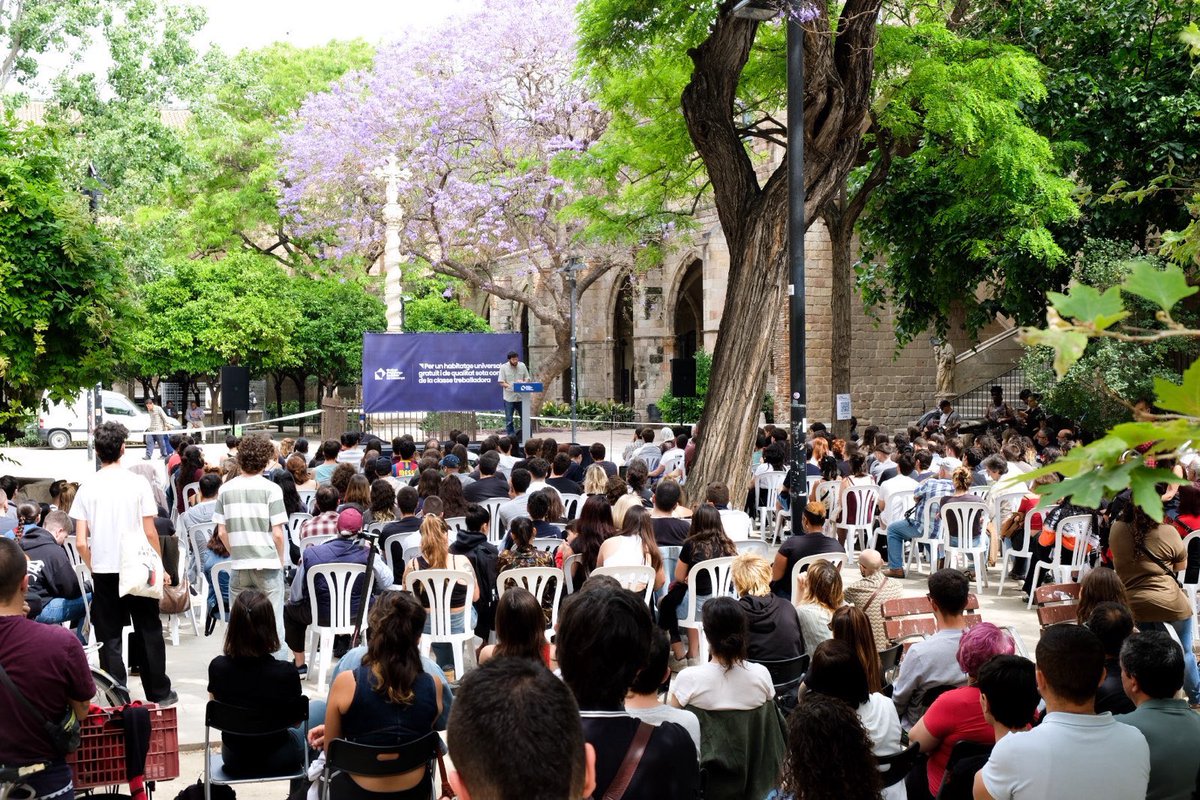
(520, 629)
(51, 576)
(473, 544)
(28, 650)
(642, 701)
(603, 642)
(1094, 755)
(1113, 624)
(248, 675)
(872, 591)
(1009, 700)
(774, 629)
(325, 521)
(515, 701)
(820, 596)
(345, 549)
(388, 700)
(933, 662)
(810, 541)
(490, 485)
(1152, 670)
(727, 682)
(956, 715)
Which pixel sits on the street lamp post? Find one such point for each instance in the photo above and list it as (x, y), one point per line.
(572, 268)
(764, 10)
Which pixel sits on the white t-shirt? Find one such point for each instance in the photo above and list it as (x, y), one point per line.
(672, 460)
(626, 551)
(664, 713)
(113, 503)
(737, 524)
(894, 511)
(713, 688)
(1069, 756)
(878, 715)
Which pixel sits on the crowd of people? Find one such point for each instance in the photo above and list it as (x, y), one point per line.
(632, 687)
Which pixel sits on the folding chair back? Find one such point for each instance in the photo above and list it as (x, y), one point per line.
(540, 582)
(438, 586)
(631, 577)
(571, 504)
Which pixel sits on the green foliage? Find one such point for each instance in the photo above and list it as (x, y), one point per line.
(687, 409)
(334, 312)
(1091, 388)
(435, 313)
(605, 411)
(61, 289)
(966, 210)
(31, 28)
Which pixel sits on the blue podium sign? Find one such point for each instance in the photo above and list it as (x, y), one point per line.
(531, 388)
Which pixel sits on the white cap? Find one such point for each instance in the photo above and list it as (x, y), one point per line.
(941, 462)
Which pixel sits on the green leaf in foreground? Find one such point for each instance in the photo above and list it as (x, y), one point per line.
(1183, 399)
(1088, 306)
(1164, 288)
(1068, 345)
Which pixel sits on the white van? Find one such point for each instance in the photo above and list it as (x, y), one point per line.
(66, 422)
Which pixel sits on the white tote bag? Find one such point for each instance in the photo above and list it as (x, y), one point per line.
(141, 568)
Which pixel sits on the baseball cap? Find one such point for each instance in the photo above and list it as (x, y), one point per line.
(946, 462)
(383, 465)
(350, 521)
(450, 461)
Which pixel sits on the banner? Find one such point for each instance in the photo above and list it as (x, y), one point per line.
(434, 371)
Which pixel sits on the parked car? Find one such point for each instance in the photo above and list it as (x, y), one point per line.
(63, 423)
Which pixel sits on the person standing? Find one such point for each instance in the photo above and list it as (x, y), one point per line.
(512, 371)
(156, 431)
(113, 510)
(250, 516)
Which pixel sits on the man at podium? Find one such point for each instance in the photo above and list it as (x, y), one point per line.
(512, 371)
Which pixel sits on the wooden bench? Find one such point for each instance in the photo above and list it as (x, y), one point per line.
(912, 617)
(1057, 603)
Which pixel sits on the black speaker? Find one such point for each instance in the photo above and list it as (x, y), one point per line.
(235, 389)
(683, 377)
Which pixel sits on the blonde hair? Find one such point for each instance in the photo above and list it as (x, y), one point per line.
(820, 448)
(435, 546)
(962, 478)
(286, 446)
(595, 480)
(824, 585)
(751, 575)
(622, 506)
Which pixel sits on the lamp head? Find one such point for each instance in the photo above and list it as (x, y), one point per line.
(760, 10)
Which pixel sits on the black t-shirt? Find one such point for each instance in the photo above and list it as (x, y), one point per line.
(485, 489)
(254, 683)
(801, 546)
(565, 485)
(670, 532)
(959, 783)
(669, 769)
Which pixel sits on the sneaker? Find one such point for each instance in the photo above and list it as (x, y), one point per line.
(302, 670)
(170, 700)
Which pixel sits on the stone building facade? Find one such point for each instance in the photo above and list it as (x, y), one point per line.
(631, 326)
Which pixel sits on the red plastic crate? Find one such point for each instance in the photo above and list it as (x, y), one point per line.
(100, 759)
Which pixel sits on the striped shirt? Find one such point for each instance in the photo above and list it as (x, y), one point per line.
(248, 506)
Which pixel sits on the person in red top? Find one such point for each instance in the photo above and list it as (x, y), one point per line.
(956, 715)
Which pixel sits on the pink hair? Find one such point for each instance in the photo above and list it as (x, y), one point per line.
(980, 643)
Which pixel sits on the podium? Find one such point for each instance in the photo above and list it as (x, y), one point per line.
(526, 390)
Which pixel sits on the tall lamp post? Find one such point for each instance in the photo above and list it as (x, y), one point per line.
(763, 10)
(573, 266)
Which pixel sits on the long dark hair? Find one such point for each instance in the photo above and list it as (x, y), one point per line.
(1140, 524)
(520, 625)
(291, 498)
(451, 492)
(595, 524)
(397, 620)
(191, 460)
(637, 523)
(707, 535)
(850, 625)
(829, 753)
(429, 482)
(251, 632)
(727, 630)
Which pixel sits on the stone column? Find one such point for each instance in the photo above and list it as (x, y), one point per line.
(393, 215)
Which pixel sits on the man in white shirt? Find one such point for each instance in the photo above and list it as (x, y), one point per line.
(113, 511)
(507, 459)
(889, 512)
(671, 463)
(512, 371)
(1074, 752)
(516, 507)
(352, 451)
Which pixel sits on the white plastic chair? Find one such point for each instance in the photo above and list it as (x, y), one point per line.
(456, 524)
(569, 571)
(313, 541)
(839, 560)
(720, 573)
(187, 556)
(737, 524)
(965, 516)
(571, 504)
(193, 535)
(73, 553)
(189, 490)
(395, 540)
(308, 498)
(769, 482)
(495, 535)
(904, 499)
(981, 492)
(294, 524)
(218, 570)
(339, 579)
(1069, 572)
(439, 585)
(547, 544)
(857, 523)
(758, 548)
(934, 543)
(375, 528)
(537, 580)
(631, 577)
(1022, 552)
(1190, 588)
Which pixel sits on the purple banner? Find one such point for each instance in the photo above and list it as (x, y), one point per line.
(434, 371)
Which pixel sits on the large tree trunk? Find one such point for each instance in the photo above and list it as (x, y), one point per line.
(838, 72)
(841, 234)
(554, 366)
